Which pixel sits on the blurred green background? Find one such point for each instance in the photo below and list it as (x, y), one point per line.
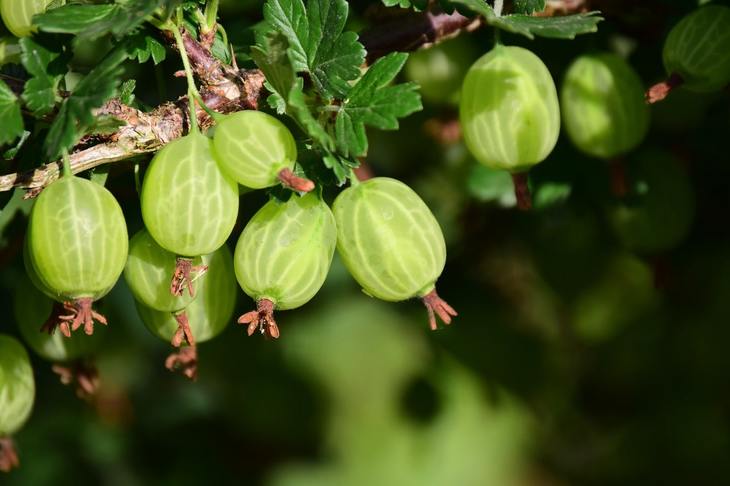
(579, 355)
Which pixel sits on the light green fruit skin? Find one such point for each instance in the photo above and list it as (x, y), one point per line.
(77, 239)
(212, 309)
(388, 239)
(253, 147)
(440, 70)
(697, 49)
(9, 50)
(17, 386)
(285, 251)
(188, 205)
(603, 107)
(31, 309)
(148, 273)
(509, 109)
(663, 215)
(18, 14)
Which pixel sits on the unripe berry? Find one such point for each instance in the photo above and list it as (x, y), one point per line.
(17, 387)
(603, 106)
(18, 14)
(283, 256)
(391, 243)
(509, 110)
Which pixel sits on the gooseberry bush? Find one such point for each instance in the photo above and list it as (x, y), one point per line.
(287, 107)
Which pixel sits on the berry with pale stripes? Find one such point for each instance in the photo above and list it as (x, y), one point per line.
(283, 256)
(17, 394)
(603, 108)
(203, 318)
(392, 244)
(77, 245)
(18, 15)
(257, 151)
(696, 53)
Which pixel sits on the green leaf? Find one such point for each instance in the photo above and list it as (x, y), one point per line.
(76, 114)
(126, 92)
(46, 67)
(11, 119)
(490, 185)
(270, 55)
(373, 102)
(300, 111)
(417, 5)
(143, 46)
(529, 6)
(561, 27)
(340, 166)
(317, 43)
(92, 21)
(16, 204)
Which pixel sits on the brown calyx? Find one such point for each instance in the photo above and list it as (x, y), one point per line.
(183, 276)
(8, 456)
(184, 361)
(436, 306)
(522, 191)
(294, 182)
(262, 318)
(81, 312)
(661, 90)
(183, 331)
(54, 321)
(83, 376)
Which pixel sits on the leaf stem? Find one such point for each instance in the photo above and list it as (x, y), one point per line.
(66, 165)
(498, 5)
(211, 14)
(193, 93)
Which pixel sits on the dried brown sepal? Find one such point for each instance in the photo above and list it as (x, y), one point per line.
(184, 361)
(81, 313)
(661, 90)
(83, 376)
(294, 182)
(8, 456)
(183, 331)
(54, 321)
(436, 306)
(522, 191)
(183, 276)
(262, 319)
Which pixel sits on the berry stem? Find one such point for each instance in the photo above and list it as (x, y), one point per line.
(436, 306)
(193, 93)
(262, 319)
(81, 313)
(83, 376)
(661, 90)
(522, 191)
(8, 456)
(185, 361)
(292, 181)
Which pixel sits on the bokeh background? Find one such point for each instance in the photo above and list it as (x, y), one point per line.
(578, 357)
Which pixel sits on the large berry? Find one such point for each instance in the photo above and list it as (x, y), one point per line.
(391, 243)
(77, 244)
(509, 109)
(603, 106)
(440, 70)
(17, 393)
(188, 205)
(148, 271)
(283, 256)
(697, 49)
(255, 149)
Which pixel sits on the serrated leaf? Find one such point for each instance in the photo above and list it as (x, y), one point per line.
(529, 6)
(317, 43)
(297, 107)
(271, 56)
(373, 102)
(560, 27)
(143, 46)
(340, 166)
(46, 67)
(93, 21)
(11, 120)
(126, 92)
(76, 115)
(417, 5)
